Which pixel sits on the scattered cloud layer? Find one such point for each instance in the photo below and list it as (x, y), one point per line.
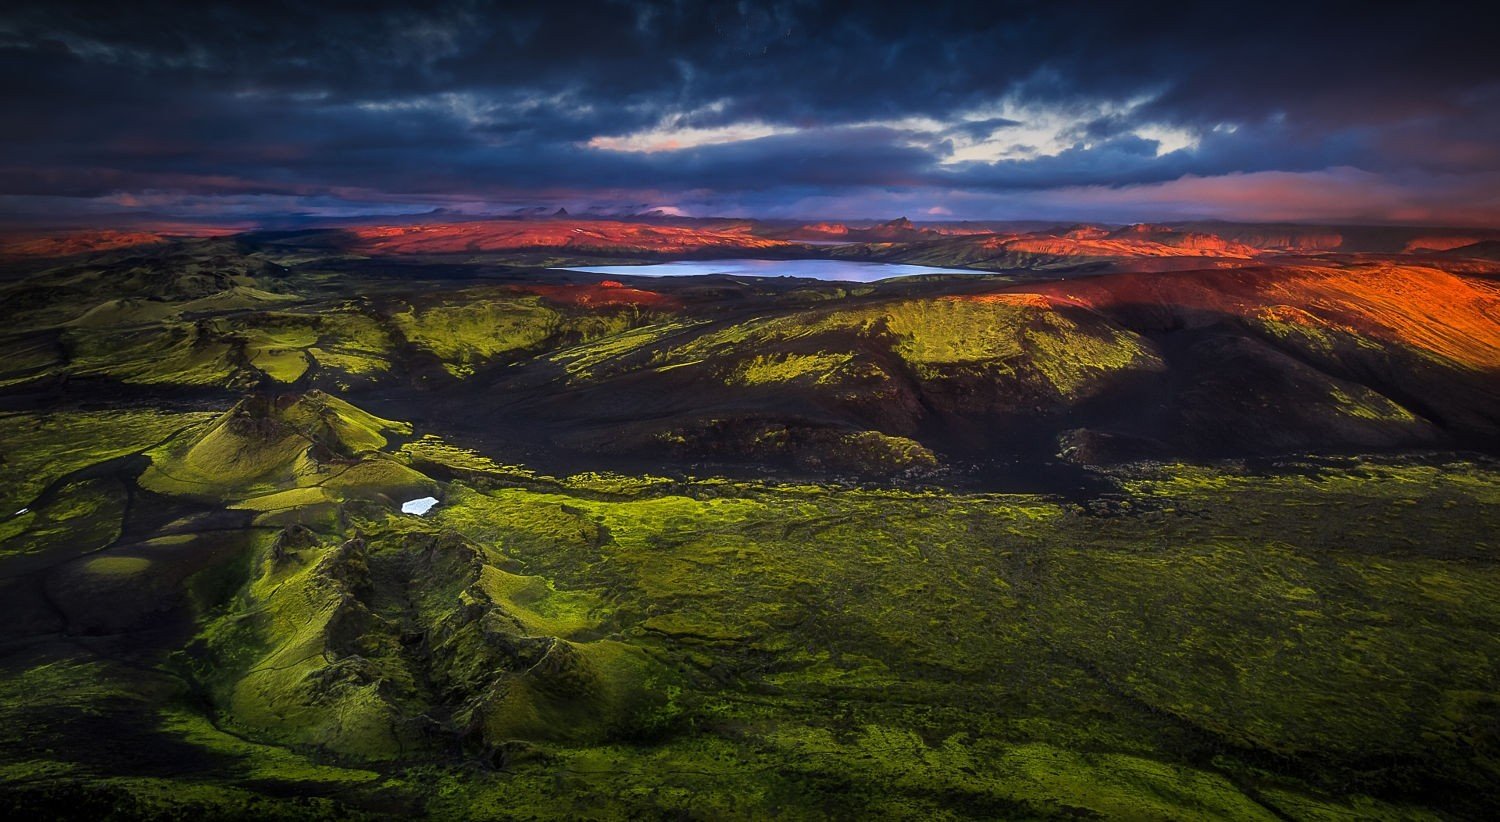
(1312, 111)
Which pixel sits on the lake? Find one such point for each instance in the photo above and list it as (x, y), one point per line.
(840, 270)
(419, 506)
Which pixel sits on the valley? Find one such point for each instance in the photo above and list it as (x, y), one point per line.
(1146, 521)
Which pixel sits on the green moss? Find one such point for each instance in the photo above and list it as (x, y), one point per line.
(350, 362)
(1082, 631)
(430, 448)
(78, 518)
(784, 368)
(265, 444)
(117, 566)
(42, 447)
(279, 364)
(260, 762)
(145, 341)
(127, 311)
(768, 331)
(465, 334)
(1006, 340)
(290, 498)
(805, 446)
(1301, 330)
(541, 609)
(1366, 404)
(379, 476)
(29, 358)
(285, 345)
(1017, 333)
(484, 324)
(593, 358)
(279, 353)
(1218, 643)
(169, 354)
(883, 452)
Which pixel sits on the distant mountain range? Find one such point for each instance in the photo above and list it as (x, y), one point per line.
(983, 246)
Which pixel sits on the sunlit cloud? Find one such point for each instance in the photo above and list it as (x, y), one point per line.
(1006, 130)
(1168, 138)
(1028, 131)
(677, 138)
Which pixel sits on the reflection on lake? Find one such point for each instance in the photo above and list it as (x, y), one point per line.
(842, 270)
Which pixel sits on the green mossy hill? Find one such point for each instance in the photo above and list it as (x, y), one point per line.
(408, 643)
(41, 448)
(1428, 385)
(462, 335)
(75, 519)
(1063, 353)
(873, 388)
(467, 330)
(1307, 640)
(615, 351)
(127, 311)
(1247, 396)
(268, 442)
(344, 338)
(139, 286)
(1218, 643)
(804, 447)
(156, 347)
(997, 354)
(171, 354)
(136, 586)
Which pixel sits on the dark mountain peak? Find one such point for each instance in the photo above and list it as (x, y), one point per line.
(1084, 231)
(1482, 250)
(1143, 230)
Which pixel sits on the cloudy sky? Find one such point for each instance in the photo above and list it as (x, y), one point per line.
(1363, 112)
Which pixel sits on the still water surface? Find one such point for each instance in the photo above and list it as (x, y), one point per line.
(841, 270)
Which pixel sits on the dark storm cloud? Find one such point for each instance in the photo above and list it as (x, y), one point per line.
(743, 107)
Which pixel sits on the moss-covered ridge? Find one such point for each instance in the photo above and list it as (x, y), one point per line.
(1305, 640)
(406, 643)
(1213, 363)
(361, 632)
(1344, 355)
(271, 443)
(1021, 345)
